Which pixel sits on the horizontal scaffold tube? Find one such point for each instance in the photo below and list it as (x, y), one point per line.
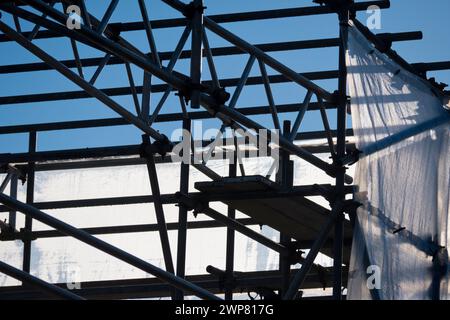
(223, 51)
(221, 18)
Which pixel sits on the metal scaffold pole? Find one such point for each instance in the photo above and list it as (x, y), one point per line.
(341, 151)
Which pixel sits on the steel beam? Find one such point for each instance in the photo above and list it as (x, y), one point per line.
(301, 113)
(108, 14)
(130, 150)
(172, 62)
(32, 145)
(99, 69)
(326, 126)
(159, 210)
(245, 231)
(146, 97)
(270, 99)
(183, 213)
(137, 105)
(5, 181)
(120, 91)
(196, 52)
(13, 193)
(241, 82)
(228, 51)
(341, 152)
(230, 244)
(122, 229)
(85, 14)
(149, 33)
(36, 27)
(168, 117)
(77, 60)
(209, 56)
(285, 177)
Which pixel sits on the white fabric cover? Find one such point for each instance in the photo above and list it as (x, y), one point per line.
(402, 180)
(60, 260)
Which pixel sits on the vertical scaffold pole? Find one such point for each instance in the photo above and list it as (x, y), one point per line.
(182, 211)
(32, 142)
(196, 51)
(342, 100)
(285, 176)
(229, 259)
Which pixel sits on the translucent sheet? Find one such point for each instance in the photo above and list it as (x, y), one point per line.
(402, 181)
(56, 259)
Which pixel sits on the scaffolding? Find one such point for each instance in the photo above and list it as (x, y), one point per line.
(279, 204)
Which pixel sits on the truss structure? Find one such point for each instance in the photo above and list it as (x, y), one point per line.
(334, 235)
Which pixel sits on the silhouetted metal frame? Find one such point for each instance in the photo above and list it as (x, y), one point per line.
(118, 50)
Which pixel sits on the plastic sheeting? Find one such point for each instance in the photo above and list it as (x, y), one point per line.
(402, 179)
(65, 259)
(61, 260)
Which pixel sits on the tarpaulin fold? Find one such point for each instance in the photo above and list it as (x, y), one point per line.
(402, 179)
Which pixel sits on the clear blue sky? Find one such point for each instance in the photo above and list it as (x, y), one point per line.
(431, 17)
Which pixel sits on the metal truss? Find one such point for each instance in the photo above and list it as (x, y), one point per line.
(110, 39)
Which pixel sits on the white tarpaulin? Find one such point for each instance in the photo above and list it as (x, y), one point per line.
(402, 179)
(61, 260)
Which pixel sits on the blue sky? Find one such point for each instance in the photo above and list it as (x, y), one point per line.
(431, 17)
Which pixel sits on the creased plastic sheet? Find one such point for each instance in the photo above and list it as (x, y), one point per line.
(402, 179)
